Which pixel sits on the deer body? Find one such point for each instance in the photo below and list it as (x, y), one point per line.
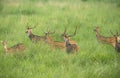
(34, 38)
(103, 39)
(15, 48)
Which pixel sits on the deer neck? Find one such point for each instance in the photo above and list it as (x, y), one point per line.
(115, 43)
(98, 35)
(30, 33)
(49, 39)
(67, 43)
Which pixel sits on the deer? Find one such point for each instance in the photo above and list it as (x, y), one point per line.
(65, 34)
(71, 46)
(54, 44)
(33, 37)
(15, 48)
(103, 39)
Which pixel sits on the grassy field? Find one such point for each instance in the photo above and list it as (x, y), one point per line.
(94, 59)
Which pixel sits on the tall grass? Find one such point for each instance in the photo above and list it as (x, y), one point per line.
(94, 59)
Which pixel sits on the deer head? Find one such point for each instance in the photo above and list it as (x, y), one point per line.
(47, 35)
(29, 29)
(97, 29)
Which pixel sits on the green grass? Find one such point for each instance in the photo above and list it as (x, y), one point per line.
(94, 59)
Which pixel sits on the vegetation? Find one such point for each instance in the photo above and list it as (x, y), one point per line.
(94, 59)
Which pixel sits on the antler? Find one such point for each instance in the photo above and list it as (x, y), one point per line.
(64, 31)
(73, 33)
(49, 32)
(52, 32)
(32, 27)
(114, 34)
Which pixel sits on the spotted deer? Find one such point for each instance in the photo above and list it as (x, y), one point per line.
(16, 48)
(33, 37)
(71, 46)
(103, 39)
(54, 44)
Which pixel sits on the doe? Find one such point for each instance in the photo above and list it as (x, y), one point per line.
(18, 47)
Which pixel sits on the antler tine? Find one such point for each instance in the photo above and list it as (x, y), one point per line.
(112, 33)
(73, 33)
(65, 31)
(52, 32)
(117, 33)
(34, 26)
(49, 32)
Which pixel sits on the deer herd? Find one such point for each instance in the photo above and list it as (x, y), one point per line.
(69, 45)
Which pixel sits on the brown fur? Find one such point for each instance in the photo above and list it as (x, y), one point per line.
(70, 47)
(65, 34)
(103, 39)
(55, 44)
(18, 47)
(34, 38)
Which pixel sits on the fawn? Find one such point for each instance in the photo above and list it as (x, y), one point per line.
(18, 47)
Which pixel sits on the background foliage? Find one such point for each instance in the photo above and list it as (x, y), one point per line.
(94, 59)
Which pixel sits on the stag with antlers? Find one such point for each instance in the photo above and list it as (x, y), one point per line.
(70, 44)
(103, 39)
(34, 38)
(65, 34)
